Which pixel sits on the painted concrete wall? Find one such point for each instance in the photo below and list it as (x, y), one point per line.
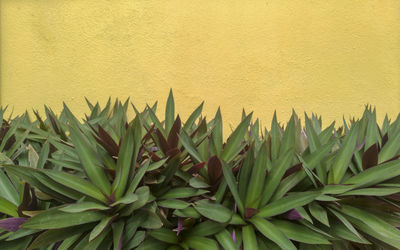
(329, 57)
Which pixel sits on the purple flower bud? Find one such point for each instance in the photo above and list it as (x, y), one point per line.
(234, 235)
(179, 228)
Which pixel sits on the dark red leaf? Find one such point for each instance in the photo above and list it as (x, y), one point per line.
(154, 157)
(10, 142)
(244, 150)
(392, 159)
(293, 169)
(41, 123)
(91, 126)
(33, 204)
(110, 172)
(173, 151)
(237, 168)
(54, 124)
(201, 124)
(147, 136)
(214, 169)
(142, 150)
(196, 168)
(173, 138)
(249, 212)
(370, 157)
(395, 197)
(163, 144)
(105, 139)
(385, 139)
(26, 200)
(188, 161)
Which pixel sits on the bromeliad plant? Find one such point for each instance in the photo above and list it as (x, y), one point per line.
(109, 182)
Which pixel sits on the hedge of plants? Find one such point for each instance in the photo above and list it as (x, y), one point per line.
(108, 182)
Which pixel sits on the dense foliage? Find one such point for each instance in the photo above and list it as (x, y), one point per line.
(112, 183)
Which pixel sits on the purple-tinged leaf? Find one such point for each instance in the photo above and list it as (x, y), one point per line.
(173, 138)
(148, 134)
(201, 124)
(359, 147)
(140, 154)
(385, 139)
(196, 168)
(54, 124)
(214, 169)
(57, 245)
(391, 159)
(293, 215)
(118, 229)
(249, 212)
(292, 170)
(395, 197)
(172, 152)
(107, 141)
(29, 201)
(120, 243)
(154, 157)
(370, 157)
(12, 224)
(162, 142)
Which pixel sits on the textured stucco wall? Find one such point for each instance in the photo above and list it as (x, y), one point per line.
(329, 57)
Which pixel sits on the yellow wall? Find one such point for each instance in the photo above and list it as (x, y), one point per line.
(328, 56)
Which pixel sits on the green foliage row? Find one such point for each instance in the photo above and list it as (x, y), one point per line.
(108, 182)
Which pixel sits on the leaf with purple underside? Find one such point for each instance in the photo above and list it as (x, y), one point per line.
(12, 224)
(293, 215)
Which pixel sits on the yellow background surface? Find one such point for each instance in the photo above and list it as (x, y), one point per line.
(330, 57)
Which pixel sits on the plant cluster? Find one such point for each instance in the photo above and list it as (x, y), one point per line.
(109, 182)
